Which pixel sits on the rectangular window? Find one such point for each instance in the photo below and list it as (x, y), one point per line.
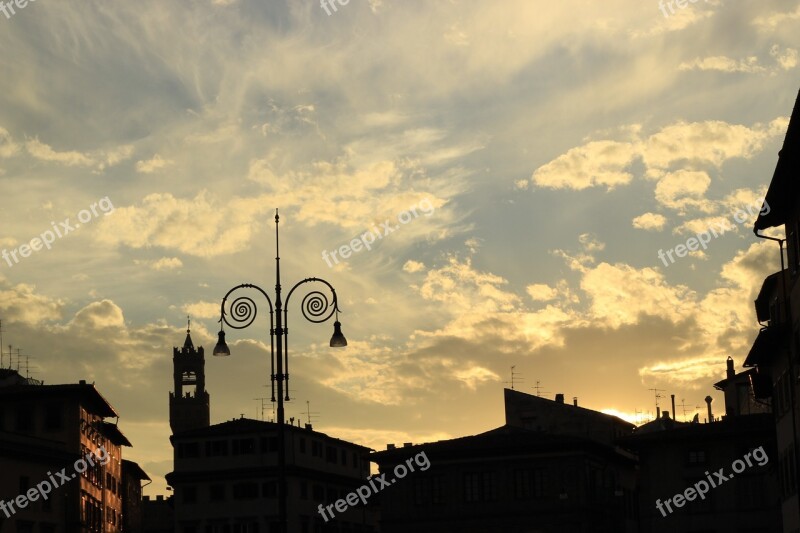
(302, 447)
(216, 448)
(696, 457)
(24, 420)
(437, 489)
(245, 491)
(422, 491)
(189, 494)
(244, 446)
(330, 454)
(270, 489)
(217, 493)
(52, 418)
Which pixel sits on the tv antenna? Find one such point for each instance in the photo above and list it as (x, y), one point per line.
(1, 344)
(263, 407)
(310, 413)
(683, 407)
(538, 388)
(657, 394)
(514, 377)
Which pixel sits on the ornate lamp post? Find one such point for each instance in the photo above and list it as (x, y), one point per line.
(242, 311)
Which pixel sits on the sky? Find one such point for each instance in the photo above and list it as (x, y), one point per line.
(496, 180)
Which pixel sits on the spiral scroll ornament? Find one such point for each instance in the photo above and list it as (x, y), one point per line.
(243, 311)
(316, 308)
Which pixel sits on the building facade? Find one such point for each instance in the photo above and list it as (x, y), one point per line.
(225, 479)
(775, 355)
(61, 462)
(553, 468)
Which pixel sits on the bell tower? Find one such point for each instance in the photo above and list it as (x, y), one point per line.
(189, 404)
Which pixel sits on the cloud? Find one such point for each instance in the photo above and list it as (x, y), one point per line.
(598, 163)
(153, 164)
(683, 189)
(200, 226)
(649, 222)
(412, 266)
(541, 292)
(723, 64)
(8, 147)
(203, 309)
(43, 152)
(20, 303)
(609, 163)
(160, 265)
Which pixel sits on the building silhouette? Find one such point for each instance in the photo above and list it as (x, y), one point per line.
(50, 429)
(775, 353)
(225, 475)
(675, 456)
(552, 468)
(189, 403)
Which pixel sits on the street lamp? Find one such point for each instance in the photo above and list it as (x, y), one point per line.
(242, 312)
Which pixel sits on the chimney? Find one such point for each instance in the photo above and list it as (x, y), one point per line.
(407, 445)
(664, 414)
(308, 426)
(559, 398)
(709, 399)
(673, 406)
(575, 401)
(731, 372)
(658, 412)
(82, 382)
(390, 446)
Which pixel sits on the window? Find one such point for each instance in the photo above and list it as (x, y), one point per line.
(302, 447)
(786, 473)
(318, 492)
(472, 487)
(437, 489)
(270, 489)
(245, 491)
(269, 445)
(344, 458)
(696, 457)
(188, 450)
(522, 484)
(303, 490)
(216, 493)
(189, 494)
(24, 484)
(330, 454)
(52, 418)
(422, 491)
(216, 448)
(480, 487)
(24, 421)
(244, 446)
(316, 448)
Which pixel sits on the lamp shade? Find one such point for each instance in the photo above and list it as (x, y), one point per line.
(338, 340)
(221, 348)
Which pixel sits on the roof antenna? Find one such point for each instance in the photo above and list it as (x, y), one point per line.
(514, 377)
